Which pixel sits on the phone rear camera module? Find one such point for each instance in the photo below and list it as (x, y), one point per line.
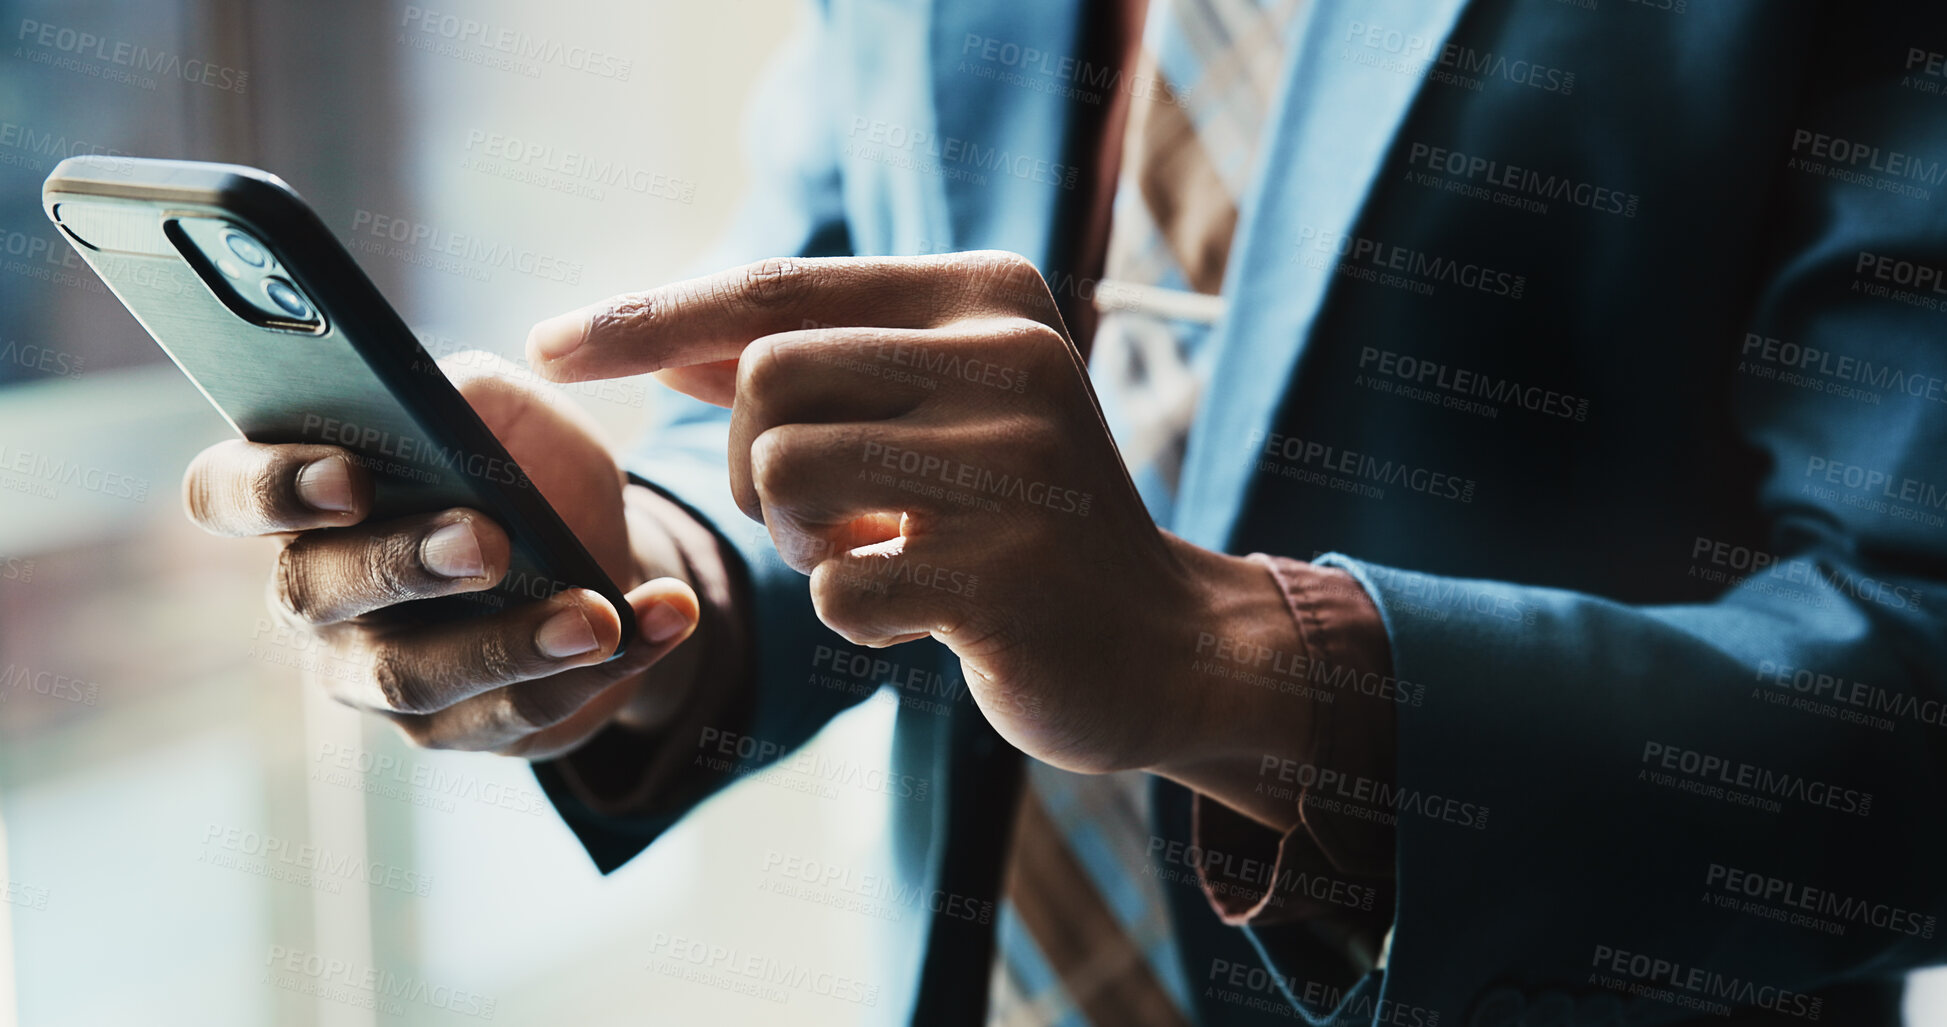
(246, 249)
(244, 275)
(287, 298)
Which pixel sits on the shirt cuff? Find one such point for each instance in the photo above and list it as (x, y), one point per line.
(1337, 864)
(623, 771)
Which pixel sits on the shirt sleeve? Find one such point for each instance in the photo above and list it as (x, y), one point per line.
(1336, 865)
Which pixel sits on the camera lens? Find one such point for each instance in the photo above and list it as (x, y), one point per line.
(246, 249)
(287, 298)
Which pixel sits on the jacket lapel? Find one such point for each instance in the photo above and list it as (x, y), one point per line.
(1347, 90)
(1003, 104)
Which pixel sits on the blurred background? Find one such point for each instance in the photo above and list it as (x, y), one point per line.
(192, 836)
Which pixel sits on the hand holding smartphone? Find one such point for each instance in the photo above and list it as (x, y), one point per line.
(463, 594)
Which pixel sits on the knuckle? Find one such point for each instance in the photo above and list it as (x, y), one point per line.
(500, 661)
(388, 569)
(624, 315)
(1008, 262)
(267, 492)
(847, 629)
(199, 492)
(294, 585)
(223, 487)
(773, 282)
(801, 548)
(838, 600)
(1013, 276)
(395, 675)
(1042, 344)
(759, 369)
(770, 460)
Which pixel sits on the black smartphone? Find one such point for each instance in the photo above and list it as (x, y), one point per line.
(251, 295)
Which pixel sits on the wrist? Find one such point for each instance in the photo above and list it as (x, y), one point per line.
(1232, 703)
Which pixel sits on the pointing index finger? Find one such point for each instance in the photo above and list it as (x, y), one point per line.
(711, 319)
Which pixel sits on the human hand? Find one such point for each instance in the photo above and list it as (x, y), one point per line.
(531, 680)
(920, 437)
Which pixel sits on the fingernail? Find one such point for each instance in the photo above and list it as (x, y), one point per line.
(452, 551)
(565, 634)
(326, 485)
(558, 336)
(663, 622)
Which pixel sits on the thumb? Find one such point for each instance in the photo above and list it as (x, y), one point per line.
(666, 612)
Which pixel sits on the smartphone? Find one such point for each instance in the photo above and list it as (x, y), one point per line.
(261, 306)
